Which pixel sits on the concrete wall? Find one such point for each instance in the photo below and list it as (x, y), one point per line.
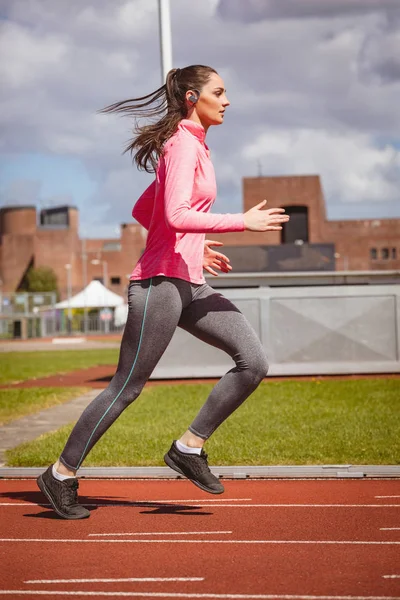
(304, 330)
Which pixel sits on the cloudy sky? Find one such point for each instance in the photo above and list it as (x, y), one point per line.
(314, 88)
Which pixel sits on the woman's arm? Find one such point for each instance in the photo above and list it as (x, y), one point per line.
(180, 164)
(143, 208)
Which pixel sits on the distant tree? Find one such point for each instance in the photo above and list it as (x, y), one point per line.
(40, 279)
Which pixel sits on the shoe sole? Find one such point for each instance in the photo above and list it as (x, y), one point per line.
(43, 488)
(168, 460)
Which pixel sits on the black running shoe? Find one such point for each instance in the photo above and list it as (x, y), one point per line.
(63, 495)
(195, 468)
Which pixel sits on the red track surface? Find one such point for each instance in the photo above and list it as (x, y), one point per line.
(100, 376)
(243, 560)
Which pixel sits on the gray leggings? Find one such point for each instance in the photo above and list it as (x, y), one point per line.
(156, 307)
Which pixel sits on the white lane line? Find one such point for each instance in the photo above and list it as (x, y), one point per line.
(173, 501)
(391, 576)
(201, 502)
(389, 528)
(165, 533)
(387, 496)
(147, 501)
(131, 479)
(198, 501)
(172, 541)
(23, 504)
(122, 580)
(188, 595)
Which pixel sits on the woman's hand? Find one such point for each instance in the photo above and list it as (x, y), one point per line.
(256, 219)
(215, 259)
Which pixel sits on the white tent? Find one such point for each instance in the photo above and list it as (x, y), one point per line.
(95, 295)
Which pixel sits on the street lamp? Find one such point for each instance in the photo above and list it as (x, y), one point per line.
(84, 281)
(69, 293)
(96, 261)
(345, 260)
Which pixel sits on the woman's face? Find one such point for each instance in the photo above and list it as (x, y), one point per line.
(211, 105)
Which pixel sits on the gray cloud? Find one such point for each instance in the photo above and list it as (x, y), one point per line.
(253, 11)
(379, 57)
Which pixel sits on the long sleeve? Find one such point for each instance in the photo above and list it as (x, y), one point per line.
(143, 209)
(180, 160)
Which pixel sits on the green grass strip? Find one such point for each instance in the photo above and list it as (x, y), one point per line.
(282, 423)
(20, 366)
(19, 402)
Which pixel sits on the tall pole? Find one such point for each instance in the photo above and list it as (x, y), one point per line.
(105, 283)
(84, 282)
(69, 294)
(105, 273)
(165, 38)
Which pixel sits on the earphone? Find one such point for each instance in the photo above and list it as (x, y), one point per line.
(192, 98)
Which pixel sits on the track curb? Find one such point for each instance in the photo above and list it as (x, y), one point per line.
(229, 472)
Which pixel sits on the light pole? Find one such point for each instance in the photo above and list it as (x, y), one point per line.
(84, 281)
(345, 266)
(165, 38)
(97, 261)
(69, 293)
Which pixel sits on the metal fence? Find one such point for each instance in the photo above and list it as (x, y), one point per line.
(25, 303)
(25, 326)
(29, 315)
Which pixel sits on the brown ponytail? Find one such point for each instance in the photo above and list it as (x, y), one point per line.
(167, 102)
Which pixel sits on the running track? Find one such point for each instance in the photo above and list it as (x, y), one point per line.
(275, 539)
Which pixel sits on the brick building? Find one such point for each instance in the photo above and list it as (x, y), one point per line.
(309, 242)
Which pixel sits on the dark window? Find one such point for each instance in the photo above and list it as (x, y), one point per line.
(115, 280)
(55, 216)
(373, 253)
(385, 253)
(394, 253)
(297, 227)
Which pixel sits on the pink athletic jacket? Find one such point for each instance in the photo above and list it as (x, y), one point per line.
(175, 209)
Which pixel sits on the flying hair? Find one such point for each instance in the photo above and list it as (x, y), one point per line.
(166, 106)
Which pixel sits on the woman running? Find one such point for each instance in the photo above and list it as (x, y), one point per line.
(167, 287)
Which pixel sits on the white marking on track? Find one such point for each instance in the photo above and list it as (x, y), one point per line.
(121, 580)
(155, 504)
(206, 500)
(172, 541)
(173, 501)
(164, 533)
(389, 528)
(189, 595)
(232, 479)
(387, 496)
(291, 505)
(391, 576)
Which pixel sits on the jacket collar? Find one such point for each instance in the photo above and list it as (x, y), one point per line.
(194, 128)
